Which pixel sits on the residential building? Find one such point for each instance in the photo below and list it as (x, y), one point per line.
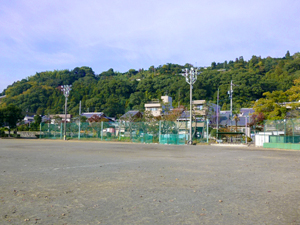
(157, 108)
(201, 111)
(241, 124)
(90, 114)
(28, 119)
(53, 119)
(131, 116)
(101, 115)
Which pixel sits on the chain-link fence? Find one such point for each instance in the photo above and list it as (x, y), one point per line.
(283, 131)
(163, 132)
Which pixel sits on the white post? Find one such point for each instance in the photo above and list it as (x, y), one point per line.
(191, 97)
(119, 130)
(65, 124)
(207, 130)
(61, 130)
(66, 89)
(190, 77)
(218, 115)
(231, 100)
(246, 136)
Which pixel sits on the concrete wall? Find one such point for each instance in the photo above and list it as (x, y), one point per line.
(28, 134)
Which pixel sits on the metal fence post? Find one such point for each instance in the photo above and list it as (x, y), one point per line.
(293, 131)
(159, 132)
(101, 131)
(40, 129)
(61, 130)
(119, 130)
(79, 130)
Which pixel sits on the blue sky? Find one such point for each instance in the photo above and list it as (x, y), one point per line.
(40, 35)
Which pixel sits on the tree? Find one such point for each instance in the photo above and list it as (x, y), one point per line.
(36, 124)
(37, 119)
(12, 115)
(256, 120)
(83, 119)
(114, 92)
(236, 119)
(277, 104)
(213, 65)
(1, 118)
(288, 55)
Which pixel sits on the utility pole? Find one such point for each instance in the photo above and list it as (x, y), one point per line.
(66, 90)
(218, 115)
(230, 96)
(246, 129)
(190, 78)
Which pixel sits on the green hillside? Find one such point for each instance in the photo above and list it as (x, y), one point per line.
(115, 93)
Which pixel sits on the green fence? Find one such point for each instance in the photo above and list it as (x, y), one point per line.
(163, 132)
(282, 132)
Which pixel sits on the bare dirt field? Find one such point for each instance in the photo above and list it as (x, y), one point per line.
(72, 182)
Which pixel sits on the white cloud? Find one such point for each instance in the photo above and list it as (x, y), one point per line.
(45, 35)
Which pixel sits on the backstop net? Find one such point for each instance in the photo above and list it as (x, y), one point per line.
(163, 132)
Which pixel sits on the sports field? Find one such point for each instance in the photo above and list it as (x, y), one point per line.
(72, 182)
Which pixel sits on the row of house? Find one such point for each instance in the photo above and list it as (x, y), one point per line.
(201, 111)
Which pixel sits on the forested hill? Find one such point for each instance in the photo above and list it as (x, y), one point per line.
(115, 93)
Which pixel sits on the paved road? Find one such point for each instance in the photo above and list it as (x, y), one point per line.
(69, 182)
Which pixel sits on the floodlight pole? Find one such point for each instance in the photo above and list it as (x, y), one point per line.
(190, 77)
(231, 91)
(66, 90)
(218, 115)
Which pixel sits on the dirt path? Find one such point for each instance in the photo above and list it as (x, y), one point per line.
(59, 182)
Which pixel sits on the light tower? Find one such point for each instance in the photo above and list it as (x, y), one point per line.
(190, 77)
(66, 90)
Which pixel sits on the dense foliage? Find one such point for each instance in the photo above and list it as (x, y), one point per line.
(10, 116)
(114, 93)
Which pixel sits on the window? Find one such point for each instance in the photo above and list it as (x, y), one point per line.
(199, 107)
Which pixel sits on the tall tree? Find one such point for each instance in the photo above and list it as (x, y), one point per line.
(1, 118)
(12, 115)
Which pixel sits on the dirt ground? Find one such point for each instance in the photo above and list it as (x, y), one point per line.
(72, 182)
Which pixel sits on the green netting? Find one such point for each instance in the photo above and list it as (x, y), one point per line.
(283, 131)
(163, 132)
(175, 139)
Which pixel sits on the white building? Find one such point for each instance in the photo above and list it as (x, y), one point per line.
(157, 108)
